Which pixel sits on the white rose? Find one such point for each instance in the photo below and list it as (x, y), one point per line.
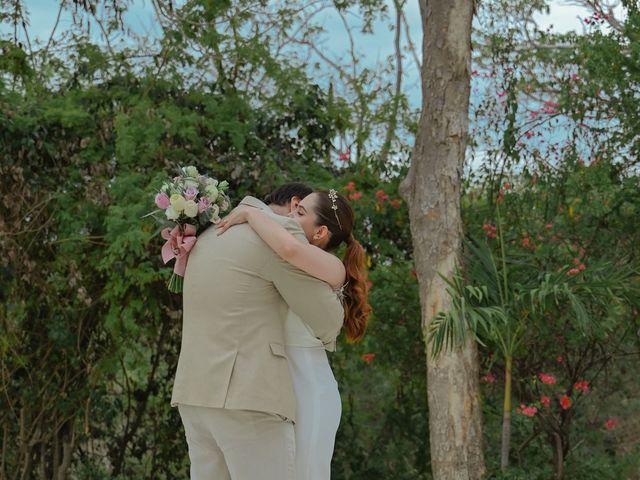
(223, 185)
(212, 193)
(190, 208)
(191, 171)
(190, 182)
(212, 181)
(177, 202)
(171, 213)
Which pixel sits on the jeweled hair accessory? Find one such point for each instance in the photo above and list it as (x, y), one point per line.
(333, 195)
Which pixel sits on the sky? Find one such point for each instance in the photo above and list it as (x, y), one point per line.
(372, 49)
(563, 16)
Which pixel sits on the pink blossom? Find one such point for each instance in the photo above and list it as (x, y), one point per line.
(560, 359)
(396, 203)
(162, 200)
(381, 196)
(576, 261)
(203, 204)
(190, 193)
(572, 272)
(368, 357)
(550, 107)
(581, 267)
(547, 378)
(565, 402)
(344, 156)
(488, 378)
(529, 411)
(355, 196)
(548, 226)
(526, 243)
(490, 230)
(545, 401)
(350, 187)
(582, 386)
(610, 423)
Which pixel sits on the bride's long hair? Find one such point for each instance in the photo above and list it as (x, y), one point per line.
(340, 222)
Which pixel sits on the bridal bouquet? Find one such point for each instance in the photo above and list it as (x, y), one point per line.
(190, 202)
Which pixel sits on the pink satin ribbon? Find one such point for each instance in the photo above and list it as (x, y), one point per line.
(179, 243)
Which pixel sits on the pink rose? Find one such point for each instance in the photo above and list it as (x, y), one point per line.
(203, 204)
(162, 200)
(190, 193)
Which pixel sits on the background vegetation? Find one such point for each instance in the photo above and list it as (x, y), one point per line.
(89, 336)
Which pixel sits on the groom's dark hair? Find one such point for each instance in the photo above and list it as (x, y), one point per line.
(284, 193)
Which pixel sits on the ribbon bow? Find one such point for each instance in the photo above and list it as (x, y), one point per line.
(179, 243)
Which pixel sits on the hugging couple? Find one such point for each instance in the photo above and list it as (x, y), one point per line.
(263, 300)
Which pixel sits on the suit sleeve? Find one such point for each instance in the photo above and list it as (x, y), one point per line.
(312, 299)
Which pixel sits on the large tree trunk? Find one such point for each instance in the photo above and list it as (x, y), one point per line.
(432, 190)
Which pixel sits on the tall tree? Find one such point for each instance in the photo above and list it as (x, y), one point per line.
(432, 190)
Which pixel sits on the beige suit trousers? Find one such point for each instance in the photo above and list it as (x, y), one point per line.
(229, 444)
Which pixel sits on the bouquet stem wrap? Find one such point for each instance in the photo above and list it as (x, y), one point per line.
(179, 242)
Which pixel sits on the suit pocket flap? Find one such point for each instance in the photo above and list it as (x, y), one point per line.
(278, 350)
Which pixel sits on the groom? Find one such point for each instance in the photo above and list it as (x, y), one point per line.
(232, 387)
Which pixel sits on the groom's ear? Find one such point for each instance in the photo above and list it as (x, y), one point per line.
(293, 204)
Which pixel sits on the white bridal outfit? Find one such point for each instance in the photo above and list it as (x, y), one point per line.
(318, 400)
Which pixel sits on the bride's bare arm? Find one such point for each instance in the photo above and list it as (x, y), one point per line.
(308, 258)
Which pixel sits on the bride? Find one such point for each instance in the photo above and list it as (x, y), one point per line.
(327, 220)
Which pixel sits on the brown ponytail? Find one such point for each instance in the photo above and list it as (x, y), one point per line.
(356, 292)
(340, 222)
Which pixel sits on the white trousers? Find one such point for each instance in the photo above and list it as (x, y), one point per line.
(238, 444)
(318, 412)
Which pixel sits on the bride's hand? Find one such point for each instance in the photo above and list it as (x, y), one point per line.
(238, 216)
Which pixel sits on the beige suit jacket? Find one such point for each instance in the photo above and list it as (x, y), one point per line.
(235, 299)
